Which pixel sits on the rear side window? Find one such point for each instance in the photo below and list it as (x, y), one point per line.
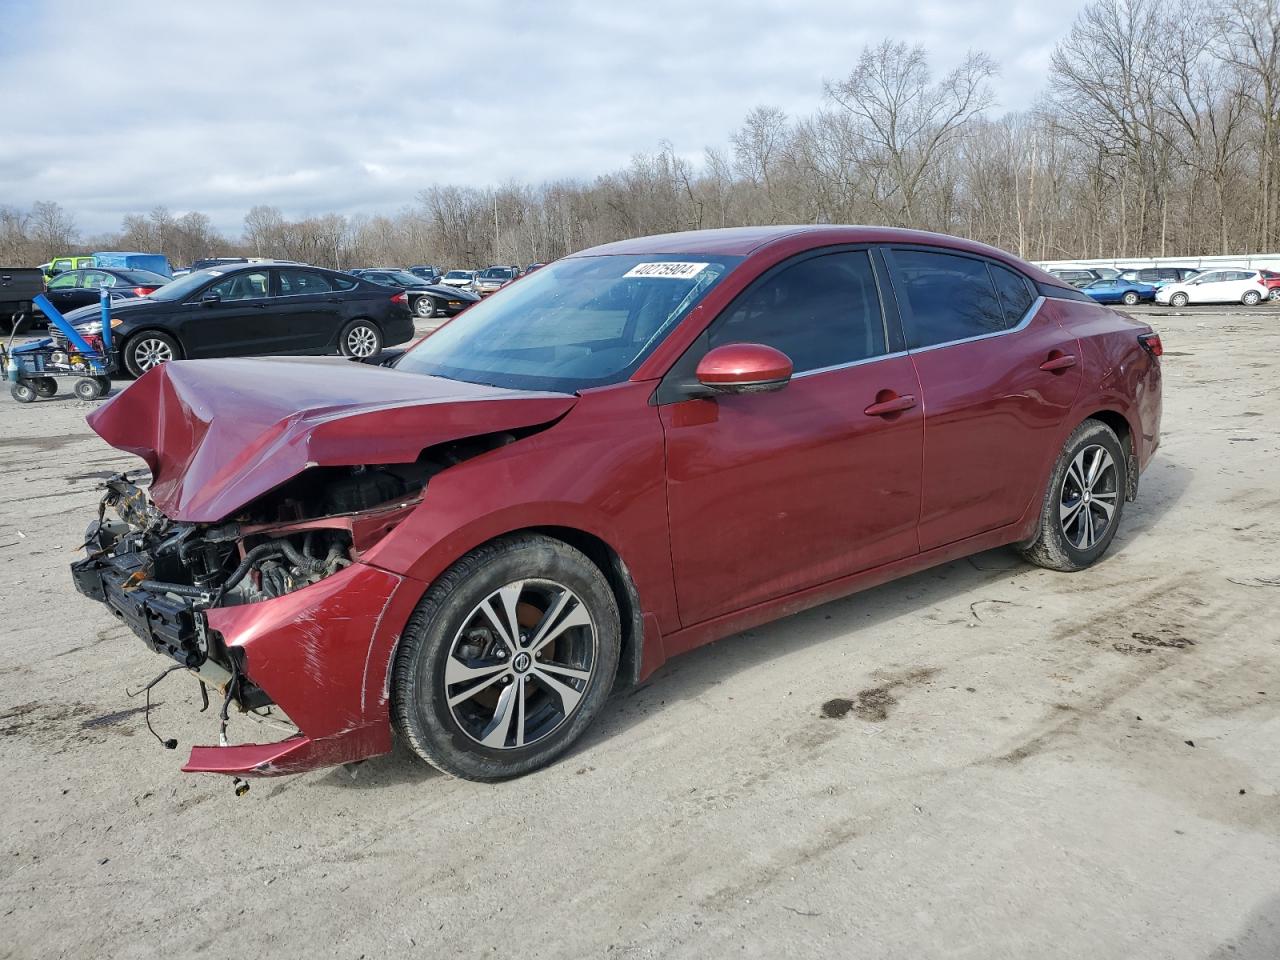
(65, 281)
(949, 297)
(342, 283)
(1016, 293)
(821, 312)
(295, 283)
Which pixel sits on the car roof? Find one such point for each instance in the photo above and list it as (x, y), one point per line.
(744, 241)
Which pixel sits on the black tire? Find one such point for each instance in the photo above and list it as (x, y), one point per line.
(104, 384)
(89, 388)
(361, 339)
(1251, 298)
(1178, 300)
(1130, 299)
(23, 392)
(425, 308)
(143, 351)
(45, 386)
(420, 707)
(1055, 545)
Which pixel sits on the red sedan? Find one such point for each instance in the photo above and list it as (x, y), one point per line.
(632, 452)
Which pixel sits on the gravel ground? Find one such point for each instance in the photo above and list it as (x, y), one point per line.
(985, 759)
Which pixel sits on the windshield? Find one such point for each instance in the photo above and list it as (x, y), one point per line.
(457, 275)
(184, 286)
(578, 323)
(496, 273)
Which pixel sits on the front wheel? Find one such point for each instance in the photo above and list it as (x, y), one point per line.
(1251, 298)
(1083, 502)
(1178, 300)
(1274, 294)
(45, 386)
(508, 658)
(91, 388)
(1130, 299)
(149, 349)
(425, 308)
(360, 339)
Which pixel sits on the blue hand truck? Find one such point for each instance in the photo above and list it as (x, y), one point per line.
(34, 369)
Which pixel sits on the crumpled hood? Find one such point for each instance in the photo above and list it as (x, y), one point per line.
(217, 434)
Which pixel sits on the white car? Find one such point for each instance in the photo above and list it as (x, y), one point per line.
(1215, 286)
(462, 279)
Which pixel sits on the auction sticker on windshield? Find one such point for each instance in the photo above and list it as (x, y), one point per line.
(668, 269)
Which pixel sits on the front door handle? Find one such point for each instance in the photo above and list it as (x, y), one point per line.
(888, 403)
(1059, 362)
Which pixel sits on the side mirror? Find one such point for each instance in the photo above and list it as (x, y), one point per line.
(744, 368)
(210, 300)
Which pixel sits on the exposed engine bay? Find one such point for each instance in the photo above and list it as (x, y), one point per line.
(158, 574)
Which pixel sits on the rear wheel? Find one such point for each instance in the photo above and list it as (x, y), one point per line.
(1130, 298)
(1083, 502)
(149, 349)
(507, 660)
(22, 392)
(360, 339)
(1178, 300)
(1251, 298)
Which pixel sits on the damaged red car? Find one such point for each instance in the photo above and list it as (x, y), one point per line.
(632, 452)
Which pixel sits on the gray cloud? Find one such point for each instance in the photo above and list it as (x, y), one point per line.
(354, 108)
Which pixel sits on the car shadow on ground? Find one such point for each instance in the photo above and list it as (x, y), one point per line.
(692, 674)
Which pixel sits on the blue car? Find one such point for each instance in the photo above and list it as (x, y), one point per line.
(1120, 290)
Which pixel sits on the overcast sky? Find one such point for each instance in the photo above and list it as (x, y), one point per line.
(352, 107)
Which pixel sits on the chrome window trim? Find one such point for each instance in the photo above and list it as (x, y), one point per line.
(851, 363)
(1022, 325)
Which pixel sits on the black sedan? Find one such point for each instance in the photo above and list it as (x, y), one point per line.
(80, 288)
(426, 299)
(253, 309)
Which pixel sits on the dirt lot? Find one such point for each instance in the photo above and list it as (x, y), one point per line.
(985, 760)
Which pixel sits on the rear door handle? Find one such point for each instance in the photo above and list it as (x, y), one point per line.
(890, 405)
(1060, 362)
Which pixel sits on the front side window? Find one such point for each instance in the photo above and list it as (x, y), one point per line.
(821, 312)
(581, 322)
(949, 297)
(241, 286)
(295, 283)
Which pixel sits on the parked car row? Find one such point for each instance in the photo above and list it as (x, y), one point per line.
(1176, 286)
(427, 298)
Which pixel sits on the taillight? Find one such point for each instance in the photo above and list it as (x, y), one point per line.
(400, 298)
(1151, 343)
(142, 291)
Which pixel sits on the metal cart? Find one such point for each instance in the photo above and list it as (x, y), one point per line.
(34, 369)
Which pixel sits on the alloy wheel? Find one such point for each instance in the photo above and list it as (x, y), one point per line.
(425, 307)
(1089, 497)
(361, 342)
(151, 352)
(520, 663)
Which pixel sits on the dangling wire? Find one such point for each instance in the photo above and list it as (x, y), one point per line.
(171, 743)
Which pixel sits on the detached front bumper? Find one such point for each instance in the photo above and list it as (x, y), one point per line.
(321, 654)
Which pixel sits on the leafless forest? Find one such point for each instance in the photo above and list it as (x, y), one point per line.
(1157, 133)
